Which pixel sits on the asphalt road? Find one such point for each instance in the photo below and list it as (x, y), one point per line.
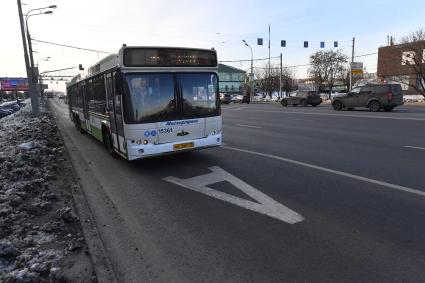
(299, 195)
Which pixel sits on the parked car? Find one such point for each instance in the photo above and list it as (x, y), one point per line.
(373, 96)
(225, 98)
(302, 98)
(4, 112)
(8, 108)
(61, 96)
(237, 98)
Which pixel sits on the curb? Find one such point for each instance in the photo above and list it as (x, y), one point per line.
(101, 262)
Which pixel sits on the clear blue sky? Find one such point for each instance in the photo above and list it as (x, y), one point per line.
(106, 25)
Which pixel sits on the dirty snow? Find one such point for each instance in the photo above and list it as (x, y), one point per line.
(40, 233)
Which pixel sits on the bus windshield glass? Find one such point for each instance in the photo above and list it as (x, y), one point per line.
(151, 98)
(156, 97)
(199, 94)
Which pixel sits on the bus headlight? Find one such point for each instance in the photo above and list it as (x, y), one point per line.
(145, 142)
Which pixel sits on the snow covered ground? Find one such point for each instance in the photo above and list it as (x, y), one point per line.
(40, 234)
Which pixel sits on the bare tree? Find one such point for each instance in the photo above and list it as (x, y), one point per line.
(268, 79)
(417, 35)
(326, 67)
(414, 58)
(288, 80)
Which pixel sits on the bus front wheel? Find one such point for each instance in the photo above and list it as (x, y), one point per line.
(107, 142)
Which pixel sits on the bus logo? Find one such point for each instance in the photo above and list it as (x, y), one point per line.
(182, 133)
(181, 123)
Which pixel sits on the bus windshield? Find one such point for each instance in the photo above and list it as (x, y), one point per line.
(199, 94)
(152, 97)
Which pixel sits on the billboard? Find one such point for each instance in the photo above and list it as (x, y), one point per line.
(14, 84)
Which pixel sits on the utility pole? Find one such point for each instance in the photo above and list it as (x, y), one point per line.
(280, 77)
(352, 60)
(32, 91)
(269, 52)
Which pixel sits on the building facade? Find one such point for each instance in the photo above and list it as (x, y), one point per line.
(231, 79)
(404, 64)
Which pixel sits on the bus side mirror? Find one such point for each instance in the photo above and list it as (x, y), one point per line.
(118, 83)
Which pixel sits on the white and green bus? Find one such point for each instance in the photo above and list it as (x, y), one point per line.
(148, 101)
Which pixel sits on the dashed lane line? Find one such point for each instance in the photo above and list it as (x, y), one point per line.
(249, 126)
(338, 115)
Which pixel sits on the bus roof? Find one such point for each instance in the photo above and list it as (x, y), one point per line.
(142, 58)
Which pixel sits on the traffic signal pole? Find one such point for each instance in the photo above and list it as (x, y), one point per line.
(352, 61)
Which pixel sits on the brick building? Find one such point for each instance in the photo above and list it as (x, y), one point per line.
(401, 64)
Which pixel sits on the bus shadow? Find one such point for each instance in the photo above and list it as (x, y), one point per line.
(173, 162)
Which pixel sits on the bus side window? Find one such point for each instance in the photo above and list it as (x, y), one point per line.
(109, 91)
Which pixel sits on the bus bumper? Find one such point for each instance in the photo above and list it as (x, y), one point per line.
(150, 150)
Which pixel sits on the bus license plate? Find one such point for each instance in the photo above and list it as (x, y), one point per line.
(181, 146)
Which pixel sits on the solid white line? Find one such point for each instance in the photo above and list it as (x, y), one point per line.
(339, 115)
(415, 147)
(249, 126)
(336, 172)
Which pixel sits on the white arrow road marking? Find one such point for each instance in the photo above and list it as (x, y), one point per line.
(264, 205)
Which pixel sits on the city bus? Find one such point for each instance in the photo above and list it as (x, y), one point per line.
(149, 101)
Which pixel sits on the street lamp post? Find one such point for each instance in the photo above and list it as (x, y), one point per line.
(39, 79)
(32, 91)
(251, 75)
(34, 77)
(43, 59)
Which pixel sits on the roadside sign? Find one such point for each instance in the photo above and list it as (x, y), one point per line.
(357, 68)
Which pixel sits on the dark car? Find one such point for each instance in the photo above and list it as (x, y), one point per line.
(225, 98)
(373, 96)
(4, 112)
(13, 105)
(302, 98)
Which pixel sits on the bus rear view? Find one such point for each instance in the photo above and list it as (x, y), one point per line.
(158, 101)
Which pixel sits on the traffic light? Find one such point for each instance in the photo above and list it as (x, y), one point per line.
(259, 41)
(322, 44)
(305, 44)
(80, 67)
(283, 43)
(335, 43)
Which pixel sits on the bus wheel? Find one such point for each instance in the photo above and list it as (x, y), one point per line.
(107, 142)
(78, 125)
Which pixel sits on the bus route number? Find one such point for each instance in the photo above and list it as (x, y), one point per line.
(165, 130)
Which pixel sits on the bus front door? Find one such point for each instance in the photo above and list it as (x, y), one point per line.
(117, 125)
(86, 123)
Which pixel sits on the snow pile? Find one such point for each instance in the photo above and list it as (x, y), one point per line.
(39, 229)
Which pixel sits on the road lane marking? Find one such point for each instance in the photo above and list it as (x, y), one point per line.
(332, 171)
(249, 126)
(339, 115)
(264, 205)
(415, 147)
